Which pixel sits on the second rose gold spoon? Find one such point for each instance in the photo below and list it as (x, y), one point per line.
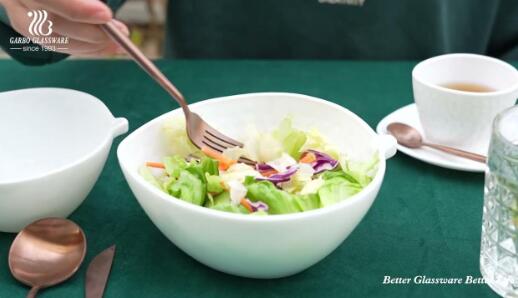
(47, 252)
(410, 137)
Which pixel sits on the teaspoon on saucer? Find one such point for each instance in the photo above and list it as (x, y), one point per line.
(410, 137)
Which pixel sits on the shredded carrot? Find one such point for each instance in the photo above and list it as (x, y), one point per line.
(269, 173)
(155, 164)
(224, 166)
(245, 204)
(224, 162)
(308, 157)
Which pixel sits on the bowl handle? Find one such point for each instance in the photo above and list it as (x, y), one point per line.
(119, 126)
(387, 145)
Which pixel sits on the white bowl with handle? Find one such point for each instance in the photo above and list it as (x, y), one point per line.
(54, 145)
(254, 246)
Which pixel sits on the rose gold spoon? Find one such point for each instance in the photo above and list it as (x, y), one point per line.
(410, 137)
(47, 252)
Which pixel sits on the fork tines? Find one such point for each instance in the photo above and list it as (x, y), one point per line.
(220, 145)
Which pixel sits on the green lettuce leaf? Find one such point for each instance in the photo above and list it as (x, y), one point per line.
(291, 139)
(210, 166)
(278, 201)
(214, 184)
(189, 187)
(176, 140)
(361, 172)
(337, 189)
(262, 146)
(174, 165)
(340, 174)
(307, 202)
(293, 143)
(222, 202)
(316, 141)
(146, 173)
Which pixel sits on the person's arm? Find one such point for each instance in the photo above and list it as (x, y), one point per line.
(76, 19)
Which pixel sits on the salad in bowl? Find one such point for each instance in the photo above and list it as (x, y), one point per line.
(295, 171)
(316, 176)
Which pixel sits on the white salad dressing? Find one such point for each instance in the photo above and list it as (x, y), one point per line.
(303, 176)
(282, 163)
(305, 172)
(238, 172)
(237, 191)
(234, 153)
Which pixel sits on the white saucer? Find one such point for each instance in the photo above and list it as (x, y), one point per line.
(408, 114)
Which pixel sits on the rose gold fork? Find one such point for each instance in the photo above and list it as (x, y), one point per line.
(200, 132)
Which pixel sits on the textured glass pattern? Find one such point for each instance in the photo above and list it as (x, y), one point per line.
(498, 257)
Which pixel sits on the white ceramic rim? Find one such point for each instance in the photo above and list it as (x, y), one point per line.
(377, 181)
(473, 94)
(97, 150)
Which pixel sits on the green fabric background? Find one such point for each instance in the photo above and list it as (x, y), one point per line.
(308, 29)
(425, 221)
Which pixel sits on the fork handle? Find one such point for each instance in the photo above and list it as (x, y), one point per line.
(111, 29)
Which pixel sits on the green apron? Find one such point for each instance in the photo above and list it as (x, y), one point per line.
(334, 29)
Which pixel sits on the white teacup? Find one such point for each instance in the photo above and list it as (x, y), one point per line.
(460, 118)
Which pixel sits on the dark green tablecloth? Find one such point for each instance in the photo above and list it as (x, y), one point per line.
(425, 221)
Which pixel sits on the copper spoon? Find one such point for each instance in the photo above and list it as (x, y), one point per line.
(200, 132)
(410, 137)
(47, 252)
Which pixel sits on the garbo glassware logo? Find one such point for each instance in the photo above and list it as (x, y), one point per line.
(40, 32)
(39, 19)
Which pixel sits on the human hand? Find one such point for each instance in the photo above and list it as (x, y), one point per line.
(76, 19)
